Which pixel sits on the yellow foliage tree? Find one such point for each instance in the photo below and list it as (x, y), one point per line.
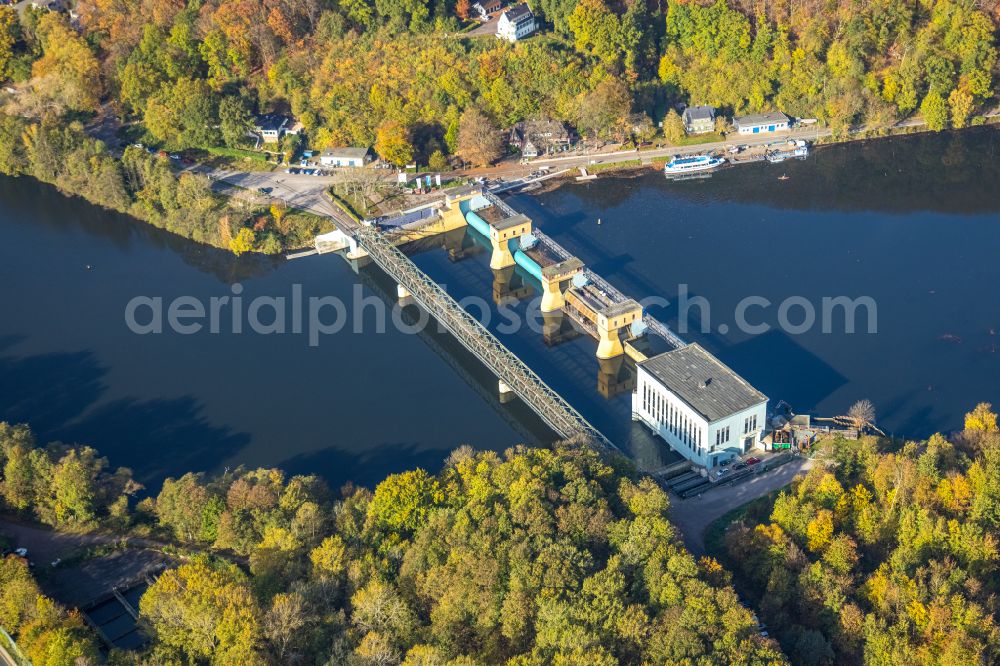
(8, 37)
(68, 72)
(820, 530)
(982, 418)
(243, 241)
(207, 611)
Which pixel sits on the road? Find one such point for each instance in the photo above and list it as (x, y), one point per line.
(298, 191)
(693, 516)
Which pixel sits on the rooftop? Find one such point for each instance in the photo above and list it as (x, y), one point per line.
(520, 12)
(509, 222)
(704, 382)
(761, 118)
(271, 122)
(345, 152)
(699, 113)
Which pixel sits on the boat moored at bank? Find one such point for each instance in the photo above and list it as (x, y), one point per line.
(680, 166)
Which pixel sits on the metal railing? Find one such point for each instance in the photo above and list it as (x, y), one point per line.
(549, 405)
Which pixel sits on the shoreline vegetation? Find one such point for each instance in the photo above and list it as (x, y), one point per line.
(405, 79)
(529, 557)
(145, 187)
(884, 552)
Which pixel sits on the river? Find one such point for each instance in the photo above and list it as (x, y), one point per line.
(912, 223)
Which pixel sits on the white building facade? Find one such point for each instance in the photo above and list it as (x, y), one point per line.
(700, 407)
(761, 123)
(345, 157)
(516, 23)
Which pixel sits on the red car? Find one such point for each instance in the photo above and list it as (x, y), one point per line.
(752, 461)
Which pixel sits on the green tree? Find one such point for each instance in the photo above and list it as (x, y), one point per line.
(183, 115)
(206, 611)
(934, 109)
(235, 120)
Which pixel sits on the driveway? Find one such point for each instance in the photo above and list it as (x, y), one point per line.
(693, 516)
(487, 29)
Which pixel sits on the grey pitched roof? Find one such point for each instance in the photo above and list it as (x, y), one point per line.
(699, 113)
(761, 118)
(518, 13)
(271, 122)
(704, 382)
(345, 152)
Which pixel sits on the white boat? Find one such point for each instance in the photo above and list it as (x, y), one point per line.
(684, 165)
(801, 152)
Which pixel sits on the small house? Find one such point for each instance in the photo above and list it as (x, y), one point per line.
(699, 119)
(486, 8)
(698, 405)
(272, 126)
(345, 157)
(761, 123)
(534, 137)
(516, 23)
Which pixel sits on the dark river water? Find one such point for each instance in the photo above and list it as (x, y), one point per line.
(913, 224)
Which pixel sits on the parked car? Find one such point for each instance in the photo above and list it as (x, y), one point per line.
(752, 461)
(21, 552)
(174, 156)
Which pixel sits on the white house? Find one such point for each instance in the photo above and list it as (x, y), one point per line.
(516, 23)
(271, 126)
(704, 410)
(486, 8)
(761, 123)
(345, 157)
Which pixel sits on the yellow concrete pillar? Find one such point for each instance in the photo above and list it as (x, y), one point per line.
(502, 256)
(501, 234)
(553, 279)
(609, 344)
(552, 296)
(610, 320)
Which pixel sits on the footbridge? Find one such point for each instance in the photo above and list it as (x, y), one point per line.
(513, 373)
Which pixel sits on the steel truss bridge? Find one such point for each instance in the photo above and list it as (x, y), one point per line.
(511, 370)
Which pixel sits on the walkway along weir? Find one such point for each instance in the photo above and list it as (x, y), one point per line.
(511, 370)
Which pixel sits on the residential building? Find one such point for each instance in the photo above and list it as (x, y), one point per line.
(535, 137)
(516, 23)
(345, 157)
(699, 119)
(272, 126)
(761, 123)
(700, 407)
(486, 8)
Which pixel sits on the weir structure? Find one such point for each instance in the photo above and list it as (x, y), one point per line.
(568, 290)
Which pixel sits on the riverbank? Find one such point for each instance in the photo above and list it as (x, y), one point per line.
(637, 162)
(148, 188)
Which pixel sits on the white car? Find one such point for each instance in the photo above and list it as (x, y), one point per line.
(21, 552)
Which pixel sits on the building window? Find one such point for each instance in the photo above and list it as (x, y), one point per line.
(722, 436)
(749, 424)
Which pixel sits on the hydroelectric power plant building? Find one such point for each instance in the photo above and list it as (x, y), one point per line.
(704, 410)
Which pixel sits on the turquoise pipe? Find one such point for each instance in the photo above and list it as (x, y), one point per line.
(520, 258)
